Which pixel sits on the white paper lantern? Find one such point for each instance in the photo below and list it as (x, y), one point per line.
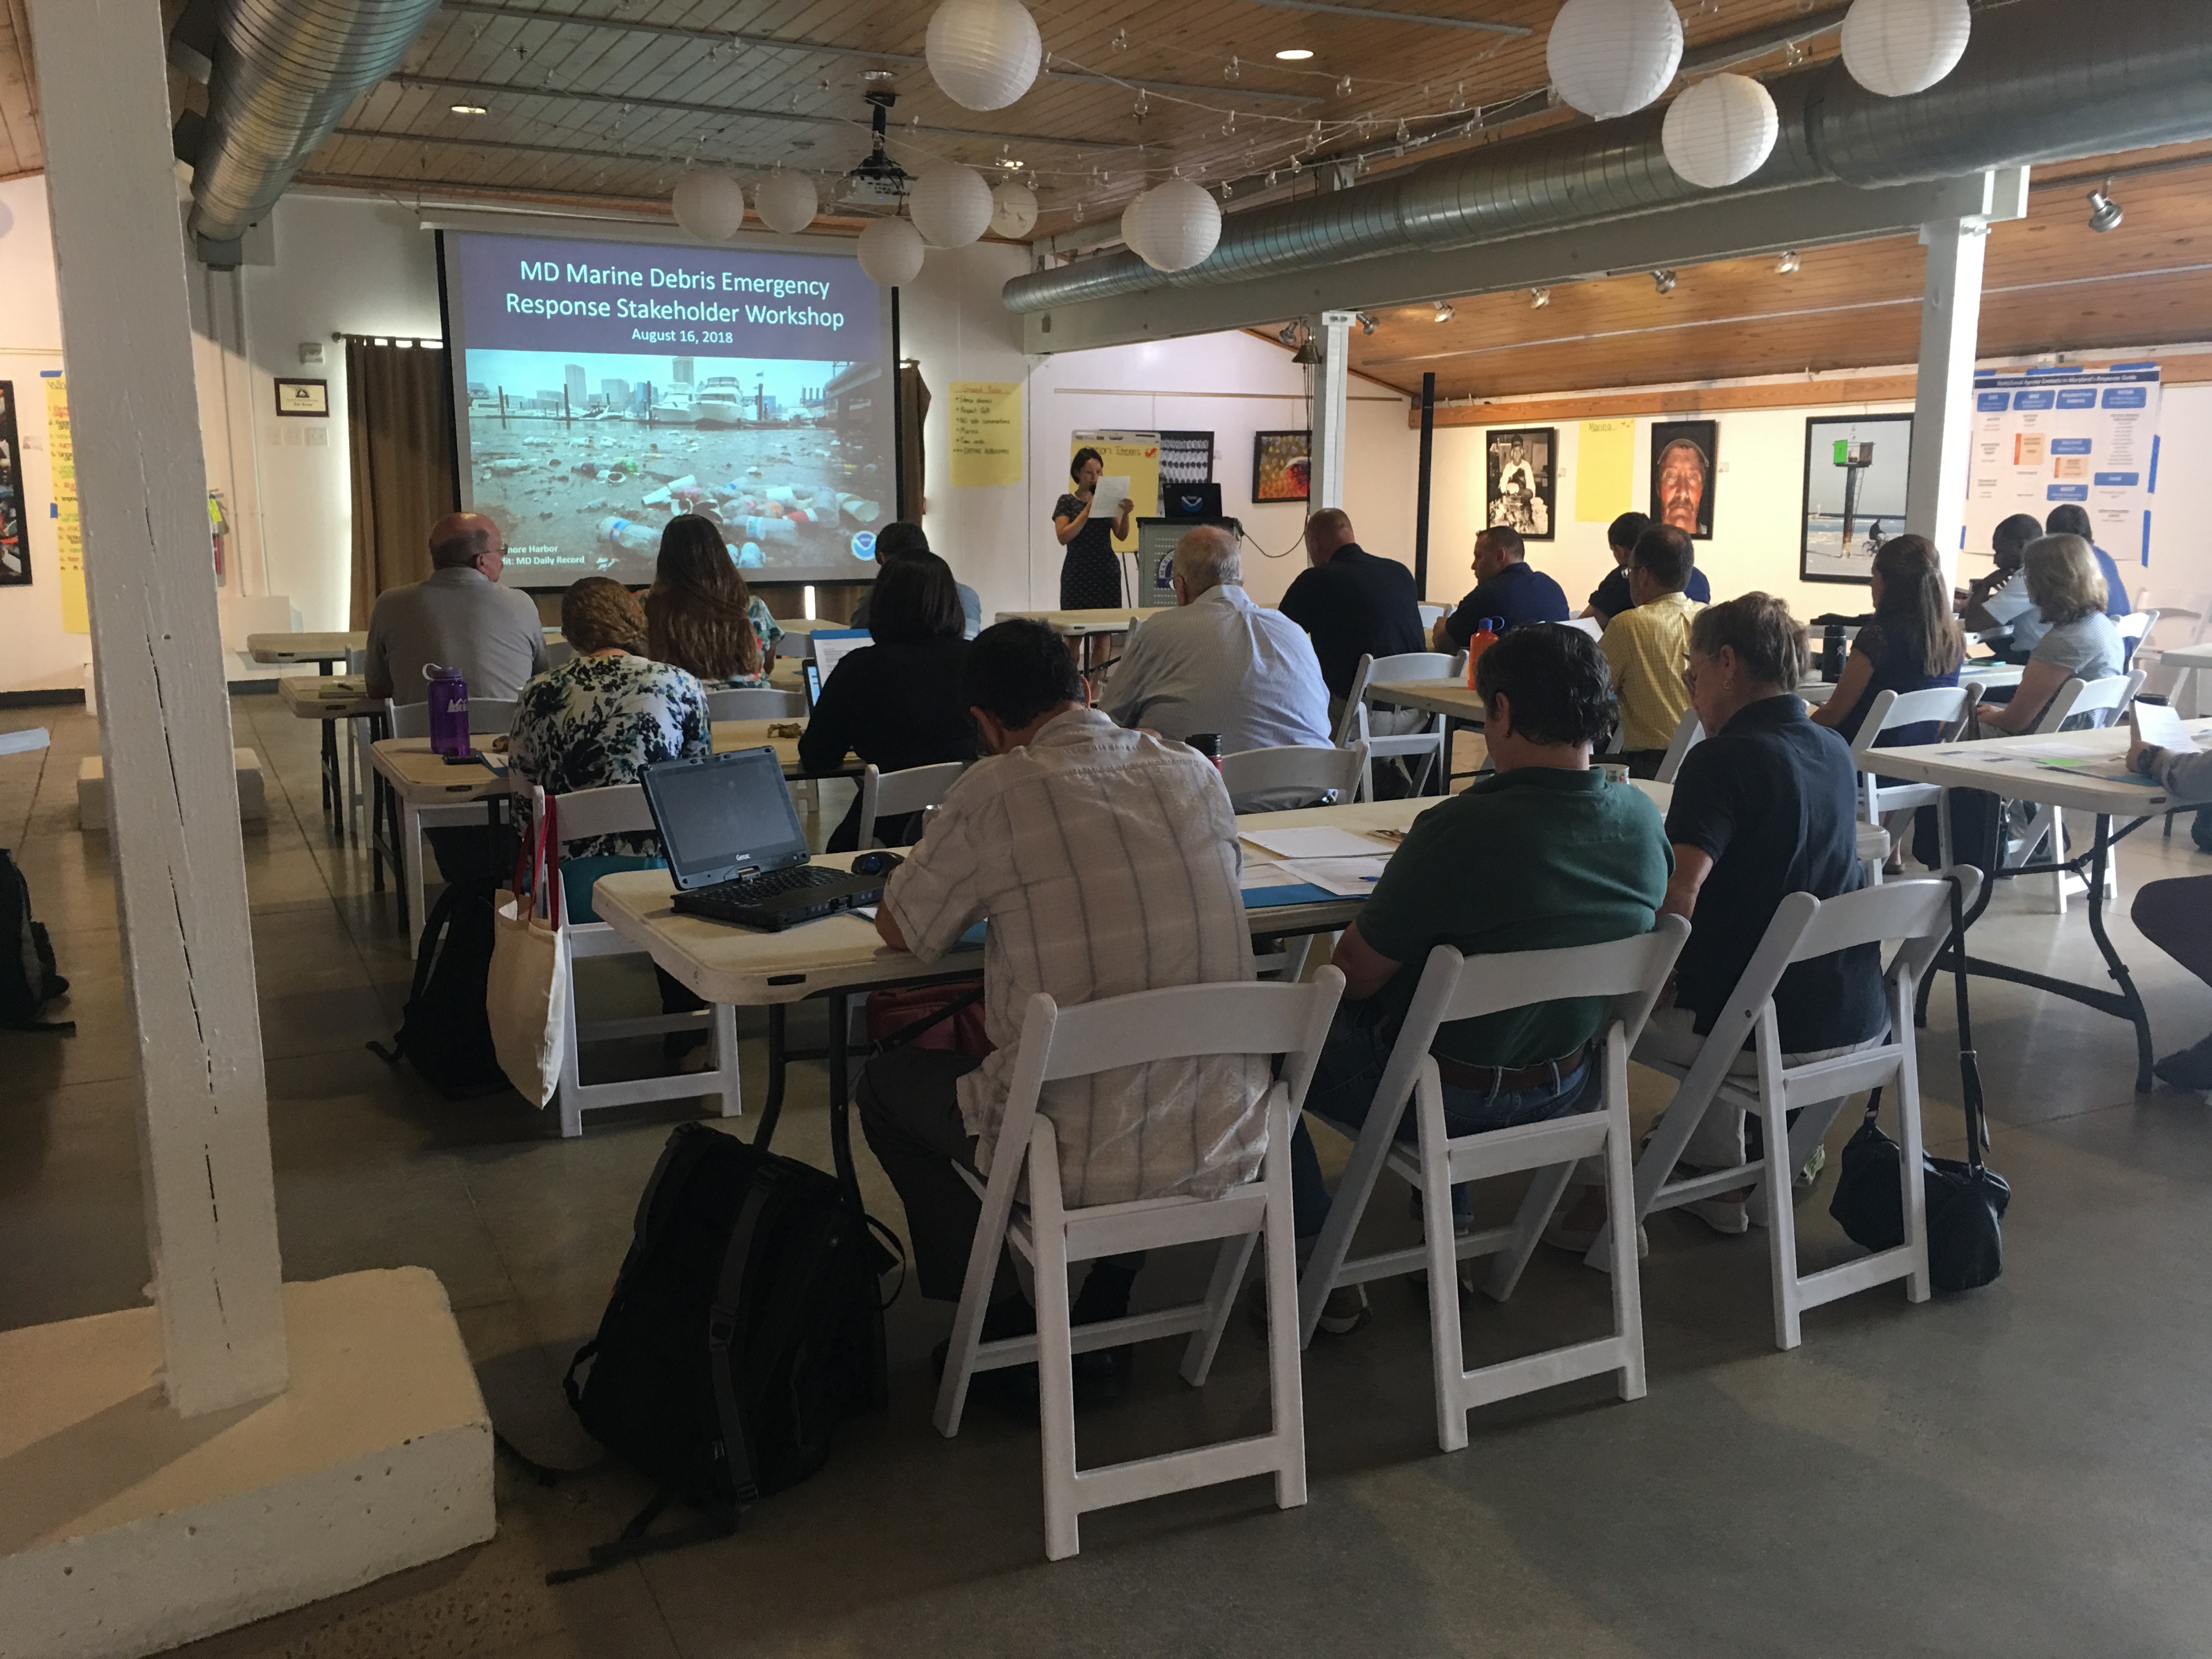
(709, 205)
(1177, 225)
(1721, 130)
(1013, 209)
(1610, 57)
(983, 54)
(890, 252)
(1133, 228)
(1899, 47)
(786, 201)
(950, 204)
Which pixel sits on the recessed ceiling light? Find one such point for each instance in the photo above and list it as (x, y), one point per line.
(1444, 311)
(1294, 54)
(470, 109)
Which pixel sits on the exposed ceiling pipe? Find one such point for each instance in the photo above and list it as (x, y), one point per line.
(2034, 86)
(284, 72)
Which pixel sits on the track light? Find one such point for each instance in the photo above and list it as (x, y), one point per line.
(1444, 311)
(1538, 298)
(1288, 334)
(1787, 264)
(2104, 212)
(1366, 321)
(1663, 280)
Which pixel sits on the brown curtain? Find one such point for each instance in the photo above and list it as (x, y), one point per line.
(913, 407)
(402, 450)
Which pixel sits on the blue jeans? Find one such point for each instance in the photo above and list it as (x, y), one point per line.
(1343, 1091)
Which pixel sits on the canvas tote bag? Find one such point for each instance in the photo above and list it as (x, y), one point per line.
(527, 994)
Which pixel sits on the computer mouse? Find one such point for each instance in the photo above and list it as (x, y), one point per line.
(879, 862)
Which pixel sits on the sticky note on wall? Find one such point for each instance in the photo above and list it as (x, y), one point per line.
(1604, 469)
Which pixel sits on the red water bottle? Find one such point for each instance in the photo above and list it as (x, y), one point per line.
(1485, 636)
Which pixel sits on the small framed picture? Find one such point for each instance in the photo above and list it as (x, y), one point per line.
(303, 398)
(1855, 467)
(1683, 481)
(1282, 466)
(1520, 491)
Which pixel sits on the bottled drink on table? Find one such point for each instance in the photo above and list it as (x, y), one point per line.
(449, 710)
(1485, 636)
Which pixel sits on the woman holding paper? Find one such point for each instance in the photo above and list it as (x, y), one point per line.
(1091, 574)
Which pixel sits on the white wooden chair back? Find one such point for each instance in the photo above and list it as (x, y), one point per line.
(1419, 666)
(1952, 708)
(1431, 615)
(2134, 627)
(756, 703)
(1340, 774)
(492, 715)
(894, 794)
(1689, 732)
(2089, 699)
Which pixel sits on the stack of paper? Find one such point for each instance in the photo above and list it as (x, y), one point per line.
(1315, 844)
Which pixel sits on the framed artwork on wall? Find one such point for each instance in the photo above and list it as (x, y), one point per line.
(1855, 467)
(1522, 490)
(1282, 466)
(15, 535)
(1684, 475)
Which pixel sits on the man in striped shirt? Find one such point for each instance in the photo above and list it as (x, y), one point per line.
(1105, 861)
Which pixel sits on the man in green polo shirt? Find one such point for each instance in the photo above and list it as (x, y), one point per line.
(1544, 854)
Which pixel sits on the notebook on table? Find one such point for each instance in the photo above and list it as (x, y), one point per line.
(735, 848)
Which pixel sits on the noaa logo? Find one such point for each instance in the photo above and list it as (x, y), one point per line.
(864, 543)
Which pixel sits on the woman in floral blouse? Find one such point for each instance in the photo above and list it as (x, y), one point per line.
(602, 718)
(701, 615)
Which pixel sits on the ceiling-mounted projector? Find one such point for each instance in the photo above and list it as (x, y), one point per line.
(878, 181)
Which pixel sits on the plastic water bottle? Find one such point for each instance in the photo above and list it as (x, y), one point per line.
(620, 532)
(1485, 636)
(449, 710)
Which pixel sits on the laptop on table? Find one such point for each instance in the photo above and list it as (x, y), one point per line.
(735, 848)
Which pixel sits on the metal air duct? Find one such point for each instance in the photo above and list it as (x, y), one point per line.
(2034, 86)
(284, 72)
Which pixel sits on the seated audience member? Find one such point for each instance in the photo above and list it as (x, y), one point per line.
(602, 718)
(1763, 808)
(1912, 645)
(2080, 643)
(1647, 645)
(2176, 915)
(698, 615)
(459, 618)
(2069, 519)
(1611, 597)
(1997, 606)
(896, 703)
(1352, 603)
(1056, 838)
(1543, 853)
(1506, 587)
(1219, 663)
(895, 541)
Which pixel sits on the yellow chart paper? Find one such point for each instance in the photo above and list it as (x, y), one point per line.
(68, 534)
(986, 432)
(1604, 469)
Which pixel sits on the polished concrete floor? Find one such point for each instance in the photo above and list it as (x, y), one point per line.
(2022, 1470)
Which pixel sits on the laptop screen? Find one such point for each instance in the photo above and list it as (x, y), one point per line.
(720, 817)
(832, 644)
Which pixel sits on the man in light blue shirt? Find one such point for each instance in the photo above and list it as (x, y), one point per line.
(1220, 663)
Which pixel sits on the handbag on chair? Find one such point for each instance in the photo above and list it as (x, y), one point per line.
(1967, 1202)
(526, 991)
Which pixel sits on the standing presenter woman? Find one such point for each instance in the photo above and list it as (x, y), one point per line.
(1090, 575)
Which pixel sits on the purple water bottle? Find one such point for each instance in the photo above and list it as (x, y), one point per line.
(449, 710)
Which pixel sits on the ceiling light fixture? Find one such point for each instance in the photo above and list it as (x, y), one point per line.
(1663, 280)
(1288, 334)
(1538, 298)
(1787, 264)
(1366, 321)
(1294, 54)
(2104, 212)
(1444, 311)
(470, 109)
(1308, 352)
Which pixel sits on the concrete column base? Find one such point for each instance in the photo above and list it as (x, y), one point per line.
(126, 1529)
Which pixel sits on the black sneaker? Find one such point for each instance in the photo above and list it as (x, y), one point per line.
(2187, 1068)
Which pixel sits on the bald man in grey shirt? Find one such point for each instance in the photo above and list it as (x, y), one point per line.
(461, 618)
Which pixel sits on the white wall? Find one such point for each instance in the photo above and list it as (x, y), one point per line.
(36, 654)
(1759, 501)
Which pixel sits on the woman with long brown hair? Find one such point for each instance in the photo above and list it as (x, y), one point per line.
(700, 616)
(1912, 643)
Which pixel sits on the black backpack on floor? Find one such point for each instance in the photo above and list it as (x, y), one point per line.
(27, 980)
(744, 1328)
(445, 1030)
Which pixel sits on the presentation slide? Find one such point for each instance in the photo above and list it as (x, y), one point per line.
(601, 388)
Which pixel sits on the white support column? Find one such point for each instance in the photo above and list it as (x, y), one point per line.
(1331, 333)
(1943, 405)
(179, 867)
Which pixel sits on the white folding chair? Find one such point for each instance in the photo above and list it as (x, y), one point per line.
(1631, 974)
(1424, 735)
(1337, 775)
(1431, 615)
(894, 794)
(1057, 1044)
(1804, 928)
(621, 810)
(2134, 627)
(488, 716)
(756, 703)
(2091, 702)
(1689, 732)
(1951, 710)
